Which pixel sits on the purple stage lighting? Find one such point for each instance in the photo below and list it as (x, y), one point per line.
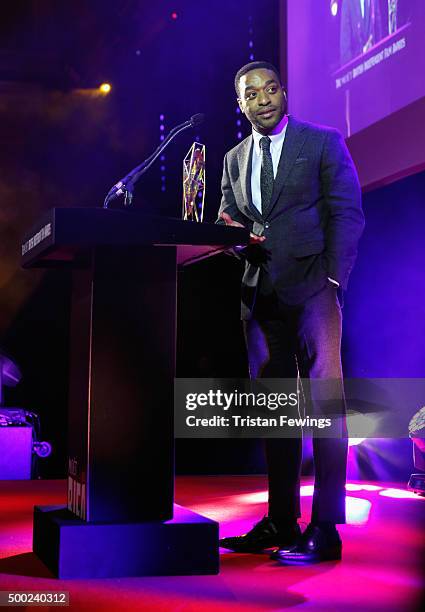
(10, 374)
(334, 8)
(417, 433)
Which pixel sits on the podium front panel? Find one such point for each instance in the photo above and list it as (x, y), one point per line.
(123, 322)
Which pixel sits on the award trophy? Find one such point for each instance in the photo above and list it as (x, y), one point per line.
(392, 16)
(194, 183)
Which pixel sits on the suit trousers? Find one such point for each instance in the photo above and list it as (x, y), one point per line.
(304, 340)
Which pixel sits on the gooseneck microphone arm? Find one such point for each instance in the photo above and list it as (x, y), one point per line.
(126, 185)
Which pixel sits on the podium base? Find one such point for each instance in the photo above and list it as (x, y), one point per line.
(71, 548)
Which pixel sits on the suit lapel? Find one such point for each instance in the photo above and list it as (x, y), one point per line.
(245, 164)
(294, 140)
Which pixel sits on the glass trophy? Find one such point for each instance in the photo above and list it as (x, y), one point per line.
(392, 16)
(194, 183)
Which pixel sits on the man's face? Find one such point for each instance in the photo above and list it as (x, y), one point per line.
(262, 99)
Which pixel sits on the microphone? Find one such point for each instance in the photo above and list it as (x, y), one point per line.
(197, 119)
(126, 185)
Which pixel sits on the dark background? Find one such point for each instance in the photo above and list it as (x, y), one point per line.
(64, 144)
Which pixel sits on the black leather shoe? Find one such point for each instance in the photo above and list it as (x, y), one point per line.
(315, 545)
(264, 534)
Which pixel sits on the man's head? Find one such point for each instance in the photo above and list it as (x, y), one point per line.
(261, 96)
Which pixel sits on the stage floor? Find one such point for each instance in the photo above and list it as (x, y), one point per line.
(381, 569)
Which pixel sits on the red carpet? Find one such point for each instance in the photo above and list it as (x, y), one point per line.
(381, 568)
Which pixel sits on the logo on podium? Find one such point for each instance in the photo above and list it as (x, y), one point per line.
(194, 183)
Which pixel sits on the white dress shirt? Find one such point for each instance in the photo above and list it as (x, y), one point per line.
(277, 140)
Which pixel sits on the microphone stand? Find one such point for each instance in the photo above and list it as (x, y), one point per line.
(126, 185)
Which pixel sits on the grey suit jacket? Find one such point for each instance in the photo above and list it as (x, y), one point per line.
(315, 219)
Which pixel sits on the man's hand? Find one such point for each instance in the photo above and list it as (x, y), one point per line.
(253, 238)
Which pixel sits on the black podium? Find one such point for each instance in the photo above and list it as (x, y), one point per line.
(120, 519)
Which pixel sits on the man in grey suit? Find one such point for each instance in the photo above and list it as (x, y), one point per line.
(294, 186)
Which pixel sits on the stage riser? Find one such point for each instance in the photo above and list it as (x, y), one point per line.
(70, 548)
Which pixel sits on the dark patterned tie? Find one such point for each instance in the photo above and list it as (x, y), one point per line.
(266, 181)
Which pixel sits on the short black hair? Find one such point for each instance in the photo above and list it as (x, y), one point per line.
(253, 66)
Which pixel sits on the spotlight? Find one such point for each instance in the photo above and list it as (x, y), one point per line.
(360, 426)
(105, 88)
(355, 441)
(10, 374)
(174, 15)
(416, 433)
(357, 509)
(334, 8)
